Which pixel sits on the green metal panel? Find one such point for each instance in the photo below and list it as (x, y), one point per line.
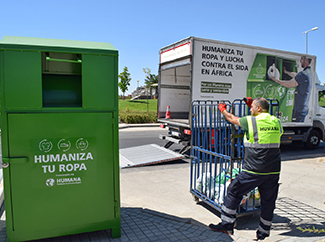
(59, 134)
(66, 181)
(1, 77)
(99, 82)
(22, 80)
(36, 44)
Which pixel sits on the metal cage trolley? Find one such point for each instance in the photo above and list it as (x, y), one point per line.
(217, 153)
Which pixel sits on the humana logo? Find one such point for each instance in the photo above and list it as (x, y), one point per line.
(68, 181)
(269, 129)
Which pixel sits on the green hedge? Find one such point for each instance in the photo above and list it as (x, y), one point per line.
(132, 117)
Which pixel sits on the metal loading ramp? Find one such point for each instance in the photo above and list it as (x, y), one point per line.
(146, 155)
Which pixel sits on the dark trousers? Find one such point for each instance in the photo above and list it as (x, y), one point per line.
(243, 183)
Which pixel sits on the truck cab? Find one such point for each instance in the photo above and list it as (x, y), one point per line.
(317, 133)
(310, 136)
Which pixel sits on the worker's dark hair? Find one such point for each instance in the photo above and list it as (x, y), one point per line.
(263, 103)
(309, 59)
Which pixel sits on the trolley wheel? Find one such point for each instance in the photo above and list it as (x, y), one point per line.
(312, 140)
(196, 199)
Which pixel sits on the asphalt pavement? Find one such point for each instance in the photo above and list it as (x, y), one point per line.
(163, 193)
(156, 205)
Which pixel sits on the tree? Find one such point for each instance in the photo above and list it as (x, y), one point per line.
(150, 78)
(125, 80)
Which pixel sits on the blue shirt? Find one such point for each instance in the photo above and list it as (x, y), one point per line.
(302, 91)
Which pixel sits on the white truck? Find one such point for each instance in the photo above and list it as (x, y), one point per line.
(203, 69)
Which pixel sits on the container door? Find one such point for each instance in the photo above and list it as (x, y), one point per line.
(22, 79)
(67, 181)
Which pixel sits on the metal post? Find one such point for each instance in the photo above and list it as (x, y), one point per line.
(306, 42)
(306, 32)
(147, 100)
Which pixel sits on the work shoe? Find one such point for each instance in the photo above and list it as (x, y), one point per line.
(261, 235)
(220, 228)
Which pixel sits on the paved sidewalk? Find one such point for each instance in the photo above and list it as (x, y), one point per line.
(144, 225)
(159, 207)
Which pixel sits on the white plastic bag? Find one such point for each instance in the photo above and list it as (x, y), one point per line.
(273, 72)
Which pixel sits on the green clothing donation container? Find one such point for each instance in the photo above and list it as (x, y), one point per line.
(59, 133)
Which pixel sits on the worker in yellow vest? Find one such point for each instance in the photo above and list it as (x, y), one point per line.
(261, 167)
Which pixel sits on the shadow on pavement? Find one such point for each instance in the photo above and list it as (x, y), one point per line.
(157, 226)
(139, 225)
(294, 151)
(291, 218)
(249, 222)
(298, 218)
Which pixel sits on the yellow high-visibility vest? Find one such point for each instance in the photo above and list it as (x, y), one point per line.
(264, 130)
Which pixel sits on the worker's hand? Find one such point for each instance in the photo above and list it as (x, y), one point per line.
(285, 71)
(222, 107)
(248, 101)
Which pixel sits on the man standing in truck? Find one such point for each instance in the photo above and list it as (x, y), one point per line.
(302, 81)
(261, 167)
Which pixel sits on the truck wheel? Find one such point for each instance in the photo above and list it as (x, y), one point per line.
(312, 140)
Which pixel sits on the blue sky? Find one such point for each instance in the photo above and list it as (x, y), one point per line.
(138, 29)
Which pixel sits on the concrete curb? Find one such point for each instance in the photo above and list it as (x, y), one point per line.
(124, 126)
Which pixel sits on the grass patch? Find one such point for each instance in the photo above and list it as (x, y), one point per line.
(136, 111)
(136, 117)
(138, 105)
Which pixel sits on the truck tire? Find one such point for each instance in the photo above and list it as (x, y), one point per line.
(312, 140)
